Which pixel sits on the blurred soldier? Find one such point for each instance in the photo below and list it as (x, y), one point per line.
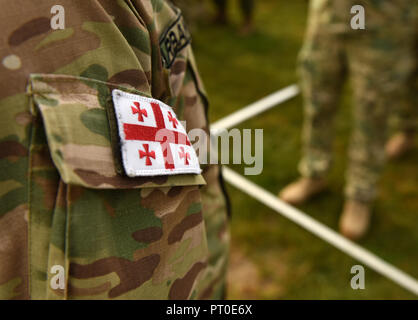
(378, 59)
(91, 206)
(247, 8)
(193, 11)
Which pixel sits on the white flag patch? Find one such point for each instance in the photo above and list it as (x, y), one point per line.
(153, 141)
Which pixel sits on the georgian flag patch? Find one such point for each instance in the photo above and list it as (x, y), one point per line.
(153, 141)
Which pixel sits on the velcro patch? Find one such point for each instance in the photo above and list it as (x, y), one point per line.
(153, 141)
(174, 39)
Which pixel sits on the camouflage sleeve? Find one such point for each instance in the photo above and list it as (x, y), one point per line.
(192, 105)
(71, 227)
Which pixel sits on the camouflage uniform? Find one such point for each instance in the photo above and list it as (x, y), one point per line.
(378, 60)
(63, 199)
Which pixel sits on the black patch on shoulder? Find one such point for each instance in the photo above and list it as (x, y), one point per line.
(174, 39)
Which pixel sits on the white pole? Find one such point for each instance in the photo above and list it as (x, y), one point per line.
(321, 231)
(256, 108)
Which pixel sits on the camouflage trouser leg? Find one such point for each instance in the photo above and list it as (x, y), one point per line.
(321, 64)
(378, 73)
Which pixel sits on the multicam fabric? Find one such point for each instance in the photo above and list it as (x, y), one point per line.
(64, 198)
(378, 59)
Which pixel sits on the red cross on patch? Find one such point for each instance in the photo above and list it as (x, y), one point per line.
(172, 119)
(141, 112)
(153, 141)
(147, 154)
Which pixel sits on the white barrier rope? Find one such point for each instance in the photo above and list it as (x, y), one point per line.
(322, 231)
(256, 108)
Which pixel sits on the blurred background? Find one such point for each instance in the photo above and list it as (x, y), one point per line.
(271, 257)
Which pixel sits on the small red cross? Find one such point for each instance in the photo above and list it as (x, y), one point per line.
(184, 155)
(139, 111)
(172, 119)
(148, 154)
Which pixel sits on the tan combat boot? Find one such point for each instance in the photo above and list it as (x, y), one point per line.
(399, 144)
(355, 219)
(302, 190)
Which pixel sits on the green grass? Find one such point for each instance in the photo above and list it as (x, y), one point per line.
(292, 263)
